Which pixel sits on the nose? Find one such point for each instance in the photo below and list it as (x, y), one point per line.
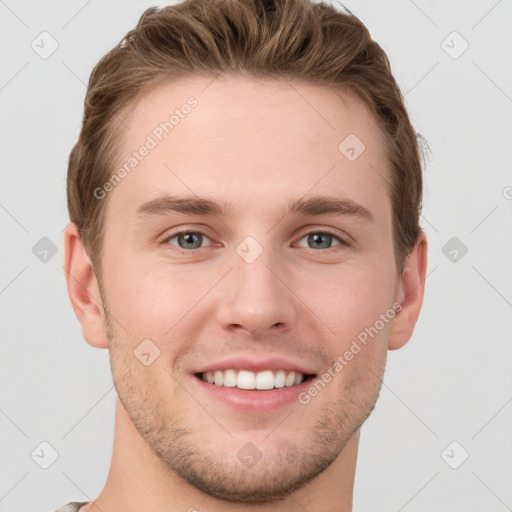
(256, 299)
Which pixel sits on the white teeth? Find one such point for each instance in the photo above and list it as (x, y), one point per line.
(245, 379)
(219, 378)
(290, 379)
(265, 380)
(280, 379)
(230, 379)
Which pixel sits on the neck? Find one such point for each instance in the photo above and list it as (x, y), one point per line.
(137, 480)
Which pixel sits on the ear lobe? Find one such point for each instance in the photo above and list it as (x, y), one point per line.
(83, 289)
(410, 295)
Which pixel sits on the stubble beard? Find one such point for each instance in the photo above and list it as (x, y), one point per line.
(222, 475)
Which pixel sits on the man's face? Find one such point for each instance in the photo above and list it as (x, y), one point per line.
(257, 288)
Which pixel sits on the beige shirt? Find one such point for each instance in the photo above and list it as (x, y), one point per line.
(72, 506)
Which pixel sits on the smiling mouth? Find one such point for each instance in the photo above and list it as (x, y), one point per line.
(258, 381)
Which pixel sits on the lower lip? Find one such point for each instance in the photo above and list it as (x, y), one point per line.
(254, 400)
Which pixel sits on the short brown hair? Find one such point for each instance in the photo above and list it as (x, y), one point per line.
(293, 39)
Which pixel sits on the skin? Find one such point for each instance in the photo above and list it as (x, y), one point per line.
(257, 145)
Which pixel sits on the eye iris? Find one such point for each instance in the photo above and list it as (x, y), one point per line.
(192, 239)
(316, 238)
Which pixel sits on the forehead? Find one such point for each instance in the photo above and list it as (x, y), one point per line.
(244, 136)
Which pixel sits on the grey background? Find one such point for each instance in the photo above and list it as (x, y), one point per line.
(452, 382)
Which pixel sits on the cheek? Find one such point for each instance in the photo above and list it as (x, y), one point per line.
(349, 298)
(153, 301)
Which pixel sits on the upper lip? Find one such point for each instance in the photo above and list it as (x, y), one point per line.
(244, 363)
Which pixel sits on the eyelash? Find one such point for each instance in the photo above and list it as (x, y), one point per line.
(166, 241)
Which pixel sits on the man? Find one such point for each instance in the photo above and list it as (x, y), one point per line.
(244, 239)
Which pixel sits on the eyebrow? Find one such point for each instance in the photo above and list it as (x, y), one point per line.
(194, 205)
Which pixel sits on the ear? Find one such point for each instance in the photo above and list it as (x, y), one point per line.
(410, 295)
(83, 289)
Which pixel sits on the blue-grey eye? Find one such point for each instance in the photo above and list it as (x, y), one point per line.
(188, 240)
(320, 240)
